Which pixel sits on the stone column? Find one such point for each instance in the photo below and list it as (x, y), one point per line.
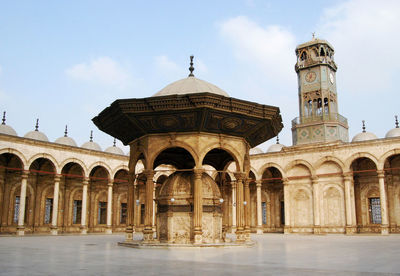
(130, 202)
(259, 210)
(198, 207)
(54, 228)
(350, 203)
(246, 184)
(109, 208)
(148, 214)
(286, 198)
(85, 184)
(22, 202)
(153, 223)
(240, 236)
(233, 207)
(384, 209)
(316, 209)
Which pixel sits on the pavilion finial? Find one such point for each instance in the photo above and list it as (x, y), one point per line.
(115, 141)
(91, 136)
(191, 68)
(37, 125)
(66, 131)
(363, 126)
(4, 118)
(396, 121)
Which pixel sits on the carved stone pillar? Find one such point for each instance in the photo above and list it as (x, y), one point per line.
(85, 184)
(240, 236)
(54, 228)
(286, 198)
(259, 210)
(350, 203)
(109, 208)
(233, 207)
(130, 208)
(197, 207)
(153, 223)
(148, 214)
(316, 209)
(384, 209)
(246, 185)
(22, 202)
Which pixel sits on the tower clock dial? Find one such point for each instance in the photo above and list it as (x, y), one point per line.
(310, 76)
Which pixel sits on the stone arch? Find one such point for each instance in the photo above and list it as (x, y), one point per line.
(349, 161)
(135, 157)
(17, 153)
(77, 161)
(117, 169)
(302, 163)
(49, 157)
(100, 164)
(385, 156)
(174, 144)
(271, 165)
(332, 159)
(226, 147)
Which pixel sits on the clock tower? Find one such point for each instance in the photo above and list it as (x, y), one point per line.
(319, 119)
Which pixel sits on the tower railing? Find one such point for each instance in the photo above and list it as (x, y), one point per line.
(332, 117)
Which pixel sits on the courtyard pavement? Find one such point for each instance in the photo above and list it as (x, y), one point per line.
(274, 254)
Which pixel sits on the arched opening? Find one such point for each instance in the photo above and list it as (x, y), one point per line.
(326, 106)
(10, 177)
(303, 56)
(272, 203)
(178, 157)
(120, 197)
(39, 208)
(367, 197)
(322, 52)
(70, 202)
(392, 183)
(99, 179)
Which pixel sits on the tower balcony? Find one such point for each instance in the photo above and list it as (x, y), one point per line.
(325, 118)
(315, 61)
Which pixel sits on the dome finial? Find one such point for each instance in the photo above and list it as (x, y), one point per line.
(115, 141)
(191, 68)
(37, 125)
(277, 139)
(91, 136)
(313, 35)
(395, 117)
(363, 126)
(66, 131)
(4, 118)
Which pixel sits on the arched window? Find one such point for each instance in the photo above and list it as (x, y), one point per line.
(303, 56)
(322, 52)
(326, 105)
(319, 107)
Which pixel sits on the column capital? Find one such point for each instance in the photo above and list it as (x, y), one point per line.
(314, 179)
(25, 174)
(233, 184)
(149, 173)
(239, 175)
(258, 183)
(110, 183)
(198, 173)
(348, 174)
(85, 180)
(285, 181)
(57, 177)
(381, 173)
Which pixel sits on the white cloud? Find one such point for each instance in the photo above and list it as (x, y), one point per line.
(166, 66)
(102, 71)
(268, 48)
(365, 36)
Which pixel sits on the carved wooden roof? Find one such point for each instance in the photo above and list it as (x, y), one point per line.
(130, 119)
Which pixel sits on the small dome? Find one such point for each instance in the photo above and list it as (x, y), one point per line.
(5, 129)
(364, 135)
(190, 85)
(36, 134)
(90, 144)
(65, 140)
(68, 141)
(275, 148)
(179, 186)
(395, 132)
(115, 150)
(255, 151)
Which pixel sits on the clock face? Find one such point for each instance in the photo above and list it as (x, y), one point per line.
(331, 77)
(310, 76)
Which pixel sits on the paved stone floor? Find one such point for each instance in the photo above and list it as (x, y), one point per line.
(274, 254)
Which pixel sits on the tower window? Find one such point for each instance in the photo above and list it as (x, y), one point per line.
(319, 107)
(322, 52)
(326, 105)
(303, 56)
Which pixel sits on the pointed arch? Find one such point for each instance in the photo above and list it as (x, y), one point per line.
(349, 161)
(52, 160)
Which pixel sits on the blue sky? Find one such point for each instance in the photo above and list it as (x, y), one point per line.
(65, 61)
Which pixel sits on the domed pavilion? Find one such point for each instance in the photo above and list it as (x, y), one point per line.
(190, 125)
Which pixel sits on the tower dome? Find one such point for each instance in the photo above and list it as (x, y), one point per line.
(394, 132)
(5, 129)
(190, 85)
(65, 140)
(364, 135)
(114, 149)
(90, 144)
(276, 147)
(255, 151)
(36, 134)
